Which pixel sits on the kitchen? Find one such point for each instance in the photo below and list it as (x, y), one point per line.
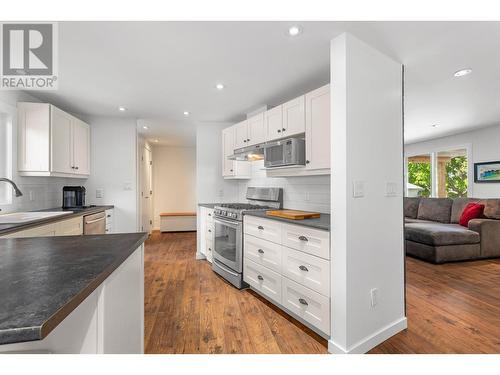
(259, 158)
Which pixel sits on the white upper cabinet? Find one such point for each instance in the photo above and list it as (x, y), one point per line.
(256, 131)
(273, 120)
(51, 142)
(240, 134)
(294, 117)
(317, 110)
(231, 168)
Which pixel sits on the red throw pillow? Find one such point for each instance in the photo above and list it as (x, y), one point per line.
(471, 211)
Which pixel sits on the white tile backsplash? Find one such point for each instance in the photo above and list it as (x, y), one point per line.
(311, 193)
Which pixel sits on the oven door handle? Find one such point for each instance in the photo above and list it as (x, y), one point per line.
(227, 222)
(228, 270)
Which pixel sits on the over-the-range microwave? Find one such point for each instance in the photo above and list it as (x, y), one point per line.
(285, 153)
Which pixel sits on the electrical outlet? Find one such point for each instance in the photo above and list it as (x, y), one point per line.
(306, 196)
(127, 186)
(221, 193)
(99, 193)
(374, 294)
(358, 189)
(31, 195)
(391, 189)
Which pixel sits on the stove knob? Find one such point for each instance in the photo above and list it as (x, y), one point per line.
(234, 215)
(224, 213)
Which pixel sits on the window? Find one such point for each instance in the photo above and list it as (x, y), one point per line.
(5, 157)
(438, 174)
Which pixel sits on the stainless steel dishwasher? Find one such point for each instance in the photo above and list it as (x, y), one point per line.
(95, 223)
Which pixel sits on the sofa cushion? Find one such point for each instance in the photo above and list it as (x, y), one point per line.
(458, 207)
(435, 209)
(411, 206)
(410, 220)
(436, 234)
(492, 208)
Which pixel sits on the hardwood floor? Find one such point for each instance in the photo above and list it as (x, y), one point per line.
(451, 308)
(189, 309)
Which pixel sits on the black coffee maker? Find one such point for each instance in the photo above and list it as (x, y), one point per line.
(73, 197)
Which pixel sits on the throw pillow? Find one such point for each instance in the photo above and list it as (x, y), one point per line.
(471, 211)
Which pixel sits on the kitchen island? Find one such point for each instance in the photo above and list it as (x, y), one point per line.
(75, 294)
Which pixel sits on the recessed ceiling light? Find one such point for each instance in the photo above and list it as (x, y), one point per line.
(462, 72)
(434, 125)
(186, 113)
(294, 31)
(156, 140)
(145, 127)
(219, 86)
(122, 109)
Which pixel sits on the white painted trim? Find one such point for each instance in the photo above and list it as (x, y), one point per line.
(372, 341)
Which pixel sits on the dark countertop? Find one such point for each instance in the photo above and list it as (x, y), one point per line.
(42, 280)
(10, 228)
(323, 222)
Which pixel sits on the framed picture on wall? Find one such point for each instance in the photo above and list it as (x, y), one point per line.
(487, 172)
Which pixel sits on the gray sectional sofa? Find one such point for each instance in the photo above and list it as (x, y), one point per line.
(432, 232)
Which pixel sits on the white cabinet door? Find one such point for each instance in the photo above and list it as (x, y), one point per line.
(317, 105)
(256, 130)
(227, 150)
(273, 121)
(61, 138)
(240, 134)
(294, 117)
(81, 145)
(33, 122)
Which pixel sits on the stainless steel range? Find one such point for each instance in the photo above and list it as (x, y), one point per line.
(228, 218)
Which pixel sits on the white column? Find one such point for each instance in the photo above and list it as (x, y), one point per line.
(367, 230)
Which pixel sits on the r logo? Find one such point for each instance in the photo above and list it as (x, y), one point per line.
(27, 49)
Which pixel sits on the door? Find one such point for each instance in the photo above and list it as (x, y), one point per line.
(256, 130)
(81, 144)
(227, 150)
(61, 141)
(227, 243)
(146, 190)
(318, 128)
(273, 121)
(240, 134)
(294, 116)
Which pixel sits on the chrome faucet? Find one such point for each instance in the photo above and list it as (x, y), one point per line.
(14, 186)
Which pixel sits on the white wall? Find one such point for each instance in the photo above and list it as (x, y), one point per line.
(310, 193)
(174, 180)
(367, 233)
(39, 192)
(114, 169)
(210, 185)
(483, 145)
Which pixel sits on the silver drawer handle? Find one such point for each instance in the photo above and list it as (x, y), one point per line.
(261, 251)
(303, 302)
(303, 238)
(303, 268)
(260, 227)
(260, 278)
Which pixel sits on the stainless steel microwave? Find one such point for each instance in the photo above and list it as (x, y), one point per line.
(285, 153)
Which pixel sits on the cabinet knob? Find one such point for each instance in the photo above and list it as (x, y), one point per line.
(260, 227)
(303, 301)
(248, 139)
(303, 268)
(261, 251)
(279, 130)
(283, 129)
(230, 170)
(260, 278)
(307, 161)
(245, 141)
(76, 167)
(303, 238)
(210, 231)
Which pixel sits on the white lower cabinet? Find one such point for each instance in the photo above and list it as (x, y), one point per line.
(292, 273)
(206, 230)
(313, 307)
(263, 279)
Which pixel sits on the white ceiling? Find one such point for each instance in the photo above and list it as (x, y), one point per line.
(160, 69)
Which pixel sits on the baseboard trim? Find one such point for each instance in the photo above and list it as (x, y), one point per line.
(372, 341)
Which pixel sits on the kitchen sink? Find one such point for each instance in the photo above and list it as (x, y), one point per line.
(26, 217)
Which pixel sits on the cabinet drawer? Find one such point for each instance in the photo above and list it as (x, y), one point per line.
(263, 252)
(209, 215)
(308, 240)
(70, 227)
(209, 250)
(262, 279)
(269, 230)
(308, 304)
(308, 270)
(209, 233)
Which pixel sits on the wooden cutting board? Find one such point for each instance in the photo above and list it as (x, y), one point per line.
(293, 214)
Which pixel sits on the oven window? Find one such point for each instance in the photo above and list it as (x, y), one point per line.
(225, 241)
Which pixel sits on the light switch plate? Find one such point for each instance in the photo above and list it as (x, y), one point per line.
(391, 189)
(358, 189)
(99, 193)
